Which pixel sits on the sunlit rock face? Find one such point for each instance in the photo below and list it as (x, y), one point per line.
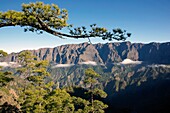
(156, 53)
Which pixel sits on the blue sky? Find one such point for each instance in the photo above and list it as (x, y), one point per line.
(147, 20)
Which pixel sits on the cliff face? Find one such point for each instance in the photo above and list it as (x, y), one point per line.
(157, 53)
(130, 88)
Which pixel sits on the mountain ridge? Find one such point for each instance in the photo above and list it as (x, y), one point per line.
(134, 75)
(102, 53)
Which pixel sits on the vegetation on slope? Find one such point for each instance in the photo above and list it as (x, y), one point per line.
(28, 91)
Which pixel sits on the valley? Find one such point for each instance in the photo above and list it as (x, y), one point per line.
(134, 76)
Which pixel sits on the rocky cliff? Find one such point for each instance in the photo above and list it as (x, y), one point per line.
(157, 53)
(133, 88)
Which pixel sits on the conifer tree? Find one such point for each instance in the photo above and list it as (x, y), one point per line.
(4, 78)
(38, 17)
(27, 62)
(91, 81)
(37, 91)
(34, 72)
(39, 96)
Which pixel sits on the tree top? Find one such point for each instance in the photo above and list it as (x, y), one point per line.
(39, 17)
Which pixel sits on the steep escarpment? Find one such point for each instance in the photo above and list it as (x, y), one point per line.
(131, 85)
(156, 53)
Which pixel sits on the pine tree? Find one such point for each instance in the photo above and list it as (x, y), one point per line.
(91, 81)
(38, 17)
(33, 72)
(27, 62)
(39, 96)
(5, 78)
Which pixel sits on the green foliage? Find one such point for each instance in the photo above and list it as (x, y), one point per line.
(38, 17)
(32, 69)
(91, 79)
(99, 106)
(42, 97)
(99, 92)
(4, 78)
(31, 100)
(51, 15)
(3, 53)
(8, 108)
(27, 61)
(39, 96)
(59, 101)
(39, 73)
